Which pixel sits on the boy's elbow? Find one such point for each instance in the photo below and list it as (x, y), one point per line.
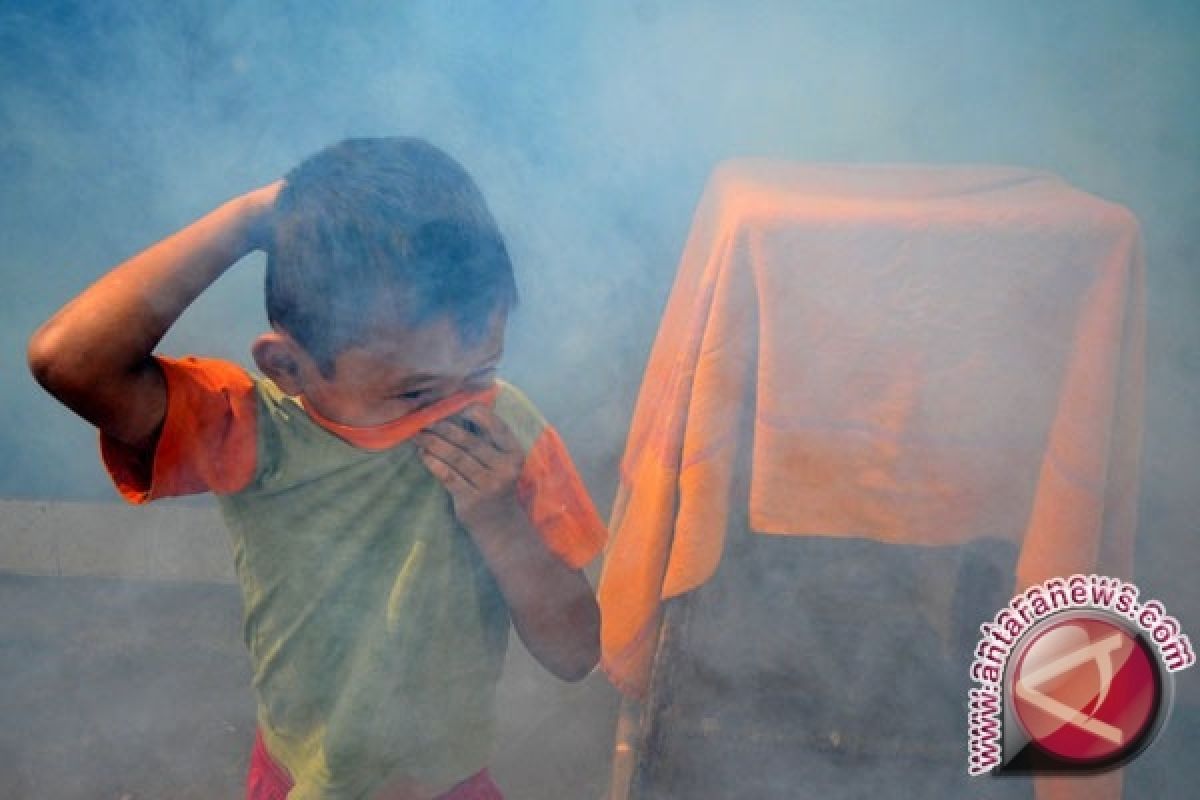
(569, 648)
(574, 666)
(43, 357)
(585, 655)
(582, 665)
(54, 366)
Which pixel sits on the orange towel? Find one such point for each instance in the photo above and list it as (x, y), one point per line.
(924, 354)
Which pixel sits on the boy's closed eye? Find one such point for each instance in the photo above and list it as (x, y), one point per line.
(412, 400)
(427, 395)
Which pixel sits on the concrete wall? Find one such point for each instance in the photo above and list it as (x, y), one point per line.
(159, 542)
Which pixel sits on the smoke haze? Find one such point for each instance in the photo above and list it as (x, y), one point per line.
(591, 128)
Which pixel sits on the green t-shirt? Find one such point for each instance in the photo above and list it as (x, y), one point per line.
(376, 632)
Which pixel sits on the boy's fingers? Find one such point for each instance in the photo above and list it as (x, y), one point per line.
(457, 458)
(454, 436)
(493, 427)
(450, 477)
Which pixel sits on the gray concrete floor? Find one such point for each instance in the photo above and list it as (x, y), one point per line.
(139, 690)
(116, 689)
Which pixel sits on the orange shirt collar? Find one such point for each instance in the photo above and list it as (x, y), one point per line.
(390, 434)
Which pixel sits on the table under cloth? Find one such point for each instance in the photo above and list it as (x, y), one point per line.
(909, 354)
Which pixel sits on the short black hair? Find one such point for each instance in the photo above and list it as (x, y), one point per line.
(392, 220)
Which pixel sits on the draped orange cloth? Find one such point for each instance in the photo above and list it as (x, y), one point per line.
(911, 354)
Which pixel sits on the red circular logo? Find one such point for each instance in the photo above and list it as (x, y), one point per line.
(1086, 690)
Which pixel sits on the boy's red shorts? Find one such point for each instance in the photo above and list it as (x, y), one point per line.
(267, 780)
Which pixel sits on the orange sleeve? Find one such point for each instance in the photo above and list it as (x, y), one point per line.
(558, 503)
(208, 438)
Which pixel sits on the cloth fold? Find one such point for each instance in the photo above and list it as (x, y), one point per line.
(910, 354)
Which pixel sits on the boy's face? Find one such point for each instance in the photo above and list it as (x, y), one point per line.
(399, 370)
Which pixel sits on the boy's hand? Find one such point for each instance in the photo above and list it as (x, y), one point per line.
(259, 208)
(478, 459)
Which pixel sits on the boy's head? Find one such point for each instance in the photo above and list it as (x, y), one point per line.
(382, 238)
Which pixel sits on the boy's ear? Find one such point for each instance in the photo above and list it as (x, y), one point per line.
(280, 359)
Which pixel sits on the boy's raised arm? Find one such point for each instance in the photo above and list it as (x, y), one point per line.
(94, 354)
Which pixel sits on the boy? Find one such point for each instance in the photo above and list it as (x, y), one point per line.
(391, 505)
